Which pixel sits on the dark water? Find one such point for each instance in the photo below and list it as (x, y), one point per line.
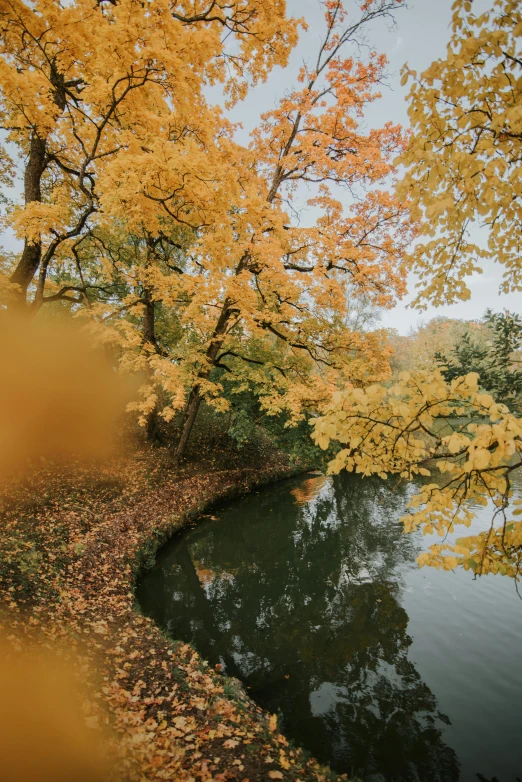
(309, 592)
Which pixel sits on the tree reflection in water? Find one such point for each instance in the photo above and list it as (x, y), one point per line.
(297, 592)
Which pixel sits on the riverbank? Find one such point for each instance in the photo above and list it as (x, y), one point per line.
(72, 550)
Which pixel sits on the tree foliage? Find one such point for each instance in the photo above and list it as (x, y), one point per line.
(463, 164)
(463, 159)
(94, 96)
(143, 215)
(495, 360)
(425, 426)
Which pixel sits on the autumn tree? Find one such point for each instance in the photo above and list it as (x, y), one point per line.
(89, 90)
(463, 164)
(141, 212)
(272, 308)
(103, 106)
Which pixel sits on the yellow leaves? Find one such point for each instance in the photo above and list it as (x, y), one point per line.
(284, 762)
(468, 172)
(456, 442)
(272, 723)
(36, 219)
(474, 459)
(450, 562)
(322, 441)
(275, 775)
(180, 722)
(479, 459)
(471, 380)
(485, 400)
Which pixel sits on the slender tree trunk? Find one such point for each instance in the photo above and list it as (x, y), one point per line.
(149, 340)
(189, 417)
(194, 400)
(151, 427)
(149, 318)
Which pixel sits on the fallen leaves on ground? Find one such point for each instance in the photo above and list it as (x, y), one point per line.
(73, 544)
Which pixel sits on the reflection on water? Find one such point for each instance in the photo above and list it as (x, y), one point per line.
(308, 489)
(307, 592)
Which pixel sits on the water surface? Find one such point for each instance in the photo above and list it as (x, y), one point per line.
(309, 592)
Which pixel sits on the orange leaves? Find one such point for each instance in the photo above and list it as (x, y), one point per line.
(367, 244)
(231, 743)
(173, 240)
(116, 99)
(313, 135)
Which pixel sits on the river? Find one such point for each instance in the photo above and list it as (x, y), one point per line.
(308, 591)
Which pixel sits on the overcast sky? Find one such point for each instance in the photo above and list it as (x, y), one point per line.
(420, 36)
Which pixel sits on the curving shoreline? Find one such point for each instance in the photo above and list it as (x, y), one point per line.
(174, 717)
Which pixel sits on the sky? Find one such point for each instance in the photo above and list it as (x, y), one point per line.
(420, 35)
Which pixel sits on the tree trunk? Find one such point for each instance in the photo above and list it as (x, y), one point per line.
(36, 165)
(189, 416)
(194, 400)
(31, 255)
(149, 339)
(151, 427)
(149, 319)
